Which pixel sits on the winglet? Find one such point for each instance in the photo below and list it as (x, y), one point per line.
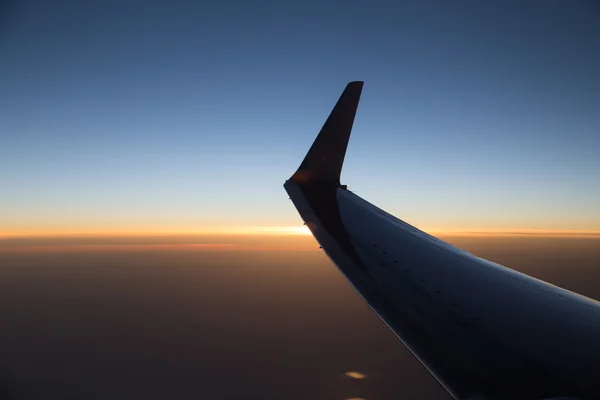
(324, 160)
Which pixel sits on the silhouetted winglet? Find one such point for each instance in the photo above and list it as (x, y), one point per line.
(324, 160)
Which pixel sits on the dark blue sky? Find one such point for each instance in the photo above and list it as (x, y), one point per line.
(175, 115)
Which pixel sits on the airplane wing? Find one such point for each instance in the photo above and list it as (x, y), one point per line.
(482, 330)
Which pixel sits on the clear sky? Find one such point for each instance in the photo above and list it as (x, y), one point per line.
(181, 116)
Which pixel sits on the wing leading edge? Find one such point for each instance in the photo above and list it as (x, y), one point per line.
(481, 329)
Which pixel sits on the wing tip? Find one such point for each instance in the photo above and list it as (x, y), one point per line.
(324, 160)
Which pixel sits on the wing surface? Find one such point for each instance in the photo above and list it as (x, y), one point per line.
(482, 330)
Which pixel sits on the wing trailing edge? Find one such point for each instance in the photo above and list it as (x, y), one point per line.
(324, 160)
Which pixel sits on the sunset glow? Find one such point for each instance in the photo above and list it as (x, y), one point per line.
(128, 232)
(275, 230)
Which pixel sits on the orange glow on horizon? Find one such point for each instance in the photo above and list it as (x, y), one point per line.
(203, 231)
(224, 239)
(273, 230)
(251, 238)
(84, 248)
(517, 232)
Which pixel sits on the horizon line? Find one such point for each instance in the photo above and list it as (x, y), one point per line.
(279, 230)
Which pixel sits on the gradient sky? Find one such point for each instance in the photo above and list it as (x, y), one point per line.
(175, 116)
